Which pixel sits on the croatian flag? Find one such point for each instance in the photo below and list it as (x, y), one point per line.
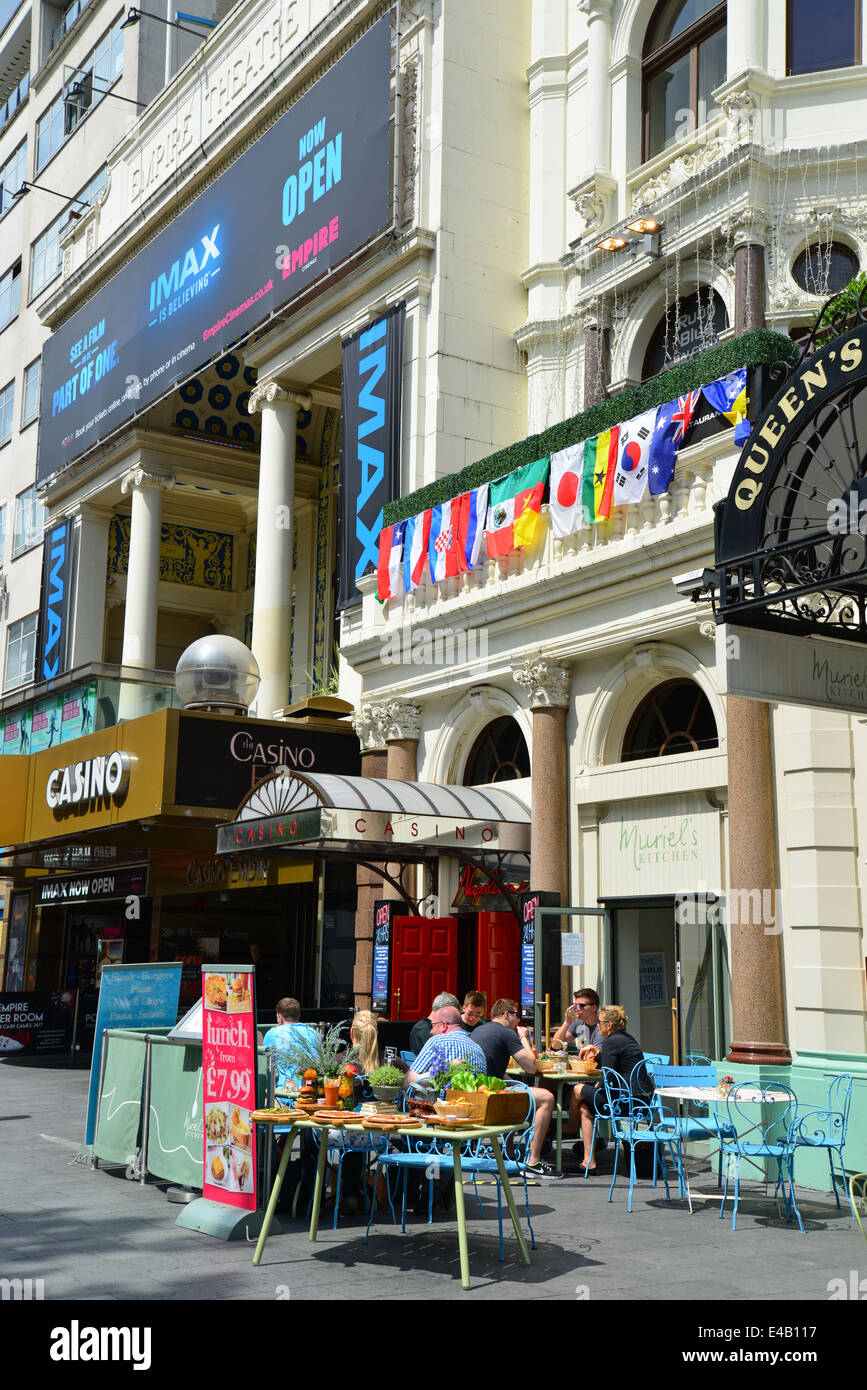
(415, 539)
(390, 561)
(444, 540)
(474, 510)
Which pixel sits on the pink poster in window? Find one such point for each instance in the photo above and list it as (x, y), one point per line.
(229, 1081)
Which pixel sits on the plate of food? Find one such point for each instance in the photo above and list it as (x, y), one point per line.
(239, 1124)
(218, 1169)
(215, 992)
(238, 994)
(240, 1171)
(216, 1124)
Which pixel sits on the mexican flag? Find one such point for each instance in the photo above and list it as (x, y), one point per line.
(514, 509)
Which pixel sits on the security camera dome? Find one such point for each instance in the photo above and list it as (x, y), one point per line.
(219, 673)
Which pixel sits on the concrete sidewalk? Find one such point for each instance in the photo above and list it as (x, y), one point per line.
(95, 1235)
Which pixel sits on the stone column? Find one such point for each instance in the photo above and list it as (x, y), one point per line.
(143, 574)
(368, 725)
(402, 725)
(597, 363)
(272, 595)
(745, 36)
(88, 632)
(597, 92)
(748, 230)
(546, 684)
(758, 1019)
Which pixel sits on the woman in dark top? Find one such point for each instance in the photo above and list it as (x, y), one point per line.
(621, 1053)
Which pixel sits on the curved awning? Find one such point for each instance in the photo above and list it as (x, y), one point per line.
(373, 815)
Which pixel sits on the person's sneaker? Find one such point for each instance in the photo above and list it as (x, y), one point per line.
(543, 1170)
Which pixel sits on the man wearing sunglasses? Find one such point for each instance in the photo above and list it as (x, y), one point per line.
(506, 1037)
(583, 1029)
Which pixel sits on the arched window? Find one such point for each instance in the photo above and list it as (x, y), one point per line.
(825, 269)
(822, 37)
(676, 717)
(499, 754)
(684, 62)
(692, 324)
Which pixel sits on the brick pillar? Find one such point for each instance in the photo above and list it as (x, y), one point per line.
(368, 725)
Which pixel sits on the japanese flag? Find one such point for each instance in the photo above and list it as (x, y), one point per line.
(569, 506)
(630, 478)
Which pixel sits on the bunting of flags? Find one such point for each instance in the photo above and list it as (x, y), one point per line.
(615, 468)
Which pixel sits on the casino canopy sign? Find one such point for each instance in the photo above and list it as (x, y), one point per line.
(791, 537)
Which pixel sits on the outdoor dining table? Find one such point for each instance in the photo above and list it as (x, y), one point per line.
(453, 1135)
(560, 1079)
(713, 1095)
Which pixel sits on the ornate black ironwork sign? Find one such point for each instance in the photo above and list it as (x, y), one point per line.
(791, 542)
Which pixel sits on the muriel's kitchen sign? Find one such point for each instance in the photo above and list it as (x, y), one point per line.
(673, 843)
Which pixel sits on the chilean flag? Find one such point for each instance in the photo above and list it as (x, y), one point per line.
(444, 540)
(390, 561)
(471, 527)
(415, 541)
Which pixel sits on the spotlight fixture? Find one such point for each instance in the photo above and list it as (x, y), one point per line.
(26, 187)
(616, 242)
(644, 226)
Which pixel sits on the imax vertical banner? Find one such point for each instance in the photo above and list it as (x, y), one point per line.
(304, 197)
(53, 638)
(369, 444)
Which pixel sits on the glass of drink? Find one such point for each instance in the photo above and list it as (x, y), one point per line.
(332, 1087)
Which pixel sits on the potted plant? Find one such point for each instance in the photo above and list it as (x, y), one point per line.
(726, 1083)
(324, 1055)
(386, 1083)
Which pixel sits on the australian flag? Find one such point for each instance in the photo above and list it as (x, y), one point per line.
(672, 425)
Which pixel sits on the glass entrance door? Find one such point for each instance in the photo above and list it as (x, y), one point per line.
(703, 978)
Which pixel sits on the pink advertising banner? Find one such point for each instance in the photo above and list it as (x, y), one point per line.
(229, 1080)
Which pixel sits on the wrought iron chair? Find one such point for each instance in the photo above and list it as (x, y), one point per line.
(689, 1127)
(635, 1121)
(776, 1138)
(340, 1143)
(828, 1128)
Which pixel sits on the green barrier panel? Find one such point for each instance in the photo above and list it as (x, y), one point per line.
(119, 1111)
(175, 1136)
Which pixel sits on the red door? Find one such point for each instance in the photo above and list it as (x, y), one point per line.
(498, 967)
(424, 964)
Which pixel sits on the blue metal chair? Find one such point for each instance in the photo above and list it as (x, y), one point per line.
(656, 1059)
(340, 1143)
(827, 1129)
(635, 1121)
(688, 1126)
(776, 1137)
(697, 1059)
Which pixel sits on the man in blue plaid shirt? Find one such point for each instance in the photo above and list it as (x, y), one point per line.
(447, 1043)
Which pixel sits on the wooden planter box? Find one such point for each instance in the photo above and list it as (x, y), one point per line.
(493, 1107)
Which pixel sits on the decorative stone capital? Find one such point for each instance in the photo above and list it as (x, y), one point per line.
(369, 725)
(141, 477)
(272, 393)
(707, 628)
(546, 682)
(400, 719)
(748, 227)
(596, 9)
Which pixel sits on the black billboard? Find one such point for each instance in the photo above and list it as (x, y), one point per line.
(220, 761)
(371, 392)
(52, 642)
(306, 195)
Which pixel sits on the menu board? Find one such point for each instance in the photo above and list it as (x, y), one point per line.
(229, 1082)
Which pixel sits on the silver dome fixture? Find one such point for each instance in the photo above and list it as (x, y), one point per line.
(217, 673)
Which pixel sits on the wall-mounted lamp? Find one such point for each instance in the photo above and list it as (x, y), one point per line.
(133, 15)
(641, 226)
(612, 243)
(641, 235)
(26, 187)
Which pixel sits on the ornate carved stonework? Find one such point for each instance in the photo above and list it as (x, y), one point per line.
(140, 477)
(707, 628)
(272, 393)
(408, 141)
(401, 719)
(546, 682)
(590, 207)
(369, 725)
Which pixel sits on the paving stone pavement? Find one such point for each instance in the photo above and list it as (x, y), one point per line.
(97, 1236)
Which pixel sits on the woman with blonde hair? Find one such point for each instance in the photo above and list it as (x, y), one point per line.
(364, 1033)
(619, 1051)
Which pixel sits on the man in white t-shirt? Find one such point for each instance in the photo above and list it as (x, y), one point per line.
(288, 1033)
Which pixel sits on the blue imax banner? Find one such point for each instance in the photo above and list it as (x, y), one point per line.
(54, 612)
(371, 391)
(312, 190)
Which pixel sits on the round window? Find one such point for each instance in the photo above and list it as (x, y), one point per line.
(825, 269)
(674, 718)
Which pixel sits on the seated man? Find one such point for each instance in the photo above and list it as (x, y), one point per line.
(505, 1037)
(472, 1010)
(289, 1030)
(421, 1031)
(448, 1043)
(584, 1030)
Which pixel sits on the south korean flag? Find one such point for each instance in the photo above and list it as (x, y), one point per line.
(630, 478)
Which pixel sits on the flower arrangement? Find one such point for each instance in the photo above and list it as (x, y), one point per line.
(324, 1055)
